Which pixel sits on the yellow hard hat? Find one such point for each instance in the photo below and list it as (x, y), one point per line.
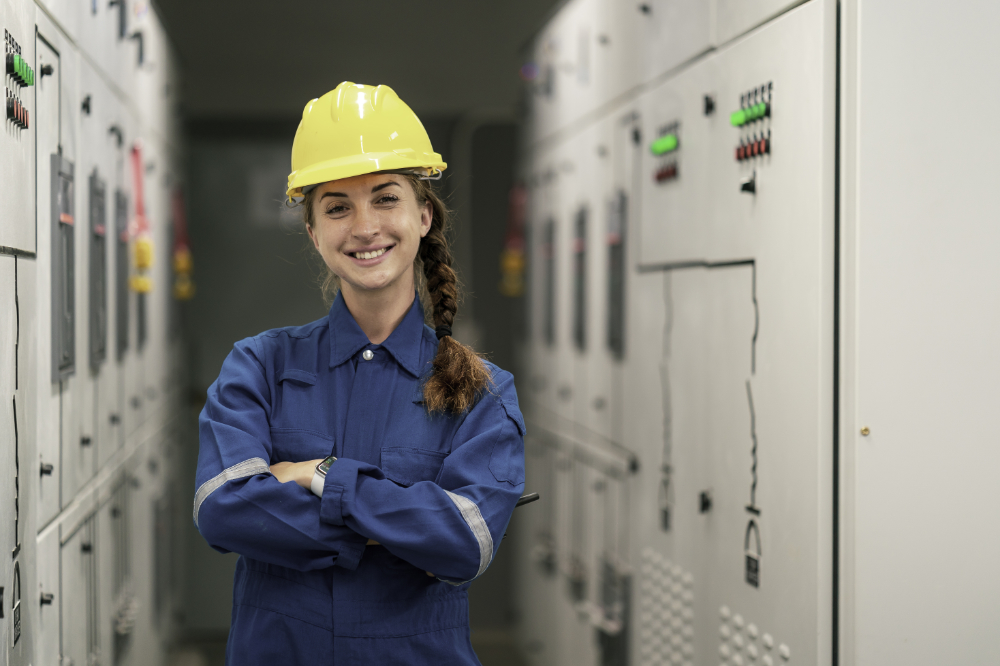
(356, 129)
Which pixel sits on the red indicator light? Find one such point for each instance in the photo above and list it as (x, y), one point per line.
(668, 172)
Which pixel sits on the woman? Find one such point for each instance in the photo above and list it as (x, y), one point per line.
(365, 465)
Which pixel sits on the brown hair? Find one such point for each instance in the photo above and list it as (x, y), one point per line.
(459, 376)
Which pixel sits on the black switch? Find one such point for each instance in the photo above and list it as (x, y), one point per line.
(46, 599)
(46, 469)
(749, 184)
(709, 105)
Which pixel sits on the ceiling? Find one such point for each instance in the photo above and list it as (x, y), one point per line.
(264, 60)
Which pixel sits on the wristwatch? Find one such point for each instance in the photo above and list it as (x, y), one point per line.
(319, 476)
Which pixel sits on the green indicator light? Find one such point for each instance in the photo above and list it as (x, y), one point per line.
(663, 145)
(31, 77)
(737, 118)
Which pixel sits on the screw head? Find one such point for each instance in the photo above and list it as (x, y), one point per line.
(865, 431)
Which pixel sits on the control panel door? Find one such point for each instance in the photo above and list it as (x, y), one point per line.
(46, 599)
(38, 298)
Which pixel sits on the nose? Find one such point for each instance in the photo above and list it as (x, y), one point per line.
(366, 225)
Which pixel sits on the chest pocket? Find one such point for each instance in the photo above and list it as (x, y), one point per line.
(407, 466)
(290, 445)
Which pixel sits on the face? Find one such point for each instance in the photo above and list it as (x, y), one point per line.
(368, 230)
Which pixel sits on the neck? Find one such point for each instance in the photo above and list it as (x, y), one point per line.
(379, 312)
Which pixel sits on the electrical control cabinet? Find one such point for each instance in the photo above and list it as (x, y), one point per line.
(78, 100)
(716, 301)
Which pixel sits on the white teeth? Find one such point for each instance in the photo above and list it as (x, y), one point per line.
(370, 255)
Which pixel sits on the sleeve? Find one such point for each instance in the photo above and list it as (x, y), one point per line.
(451, 527)
(239, 506)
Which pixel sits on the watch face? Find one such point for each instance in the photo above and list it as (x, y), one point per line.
(324, 466)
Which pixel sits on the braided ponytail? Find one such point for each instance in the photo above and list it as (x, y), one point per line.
(459, 375)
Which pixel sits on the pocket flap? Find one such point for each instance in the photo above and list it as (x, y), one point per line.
(299, 376)
(407, 466)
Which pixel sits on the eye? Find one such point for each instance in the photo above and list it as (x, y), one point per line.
(387, 199)
(335, 209)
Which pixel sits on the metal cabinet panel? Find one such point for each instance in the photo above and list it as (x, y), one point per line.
(37, 299)
(23, 460)
(17, 165)
(101, 157)
(80, 635)
(116, 601)
(736, 17)
(46, 599)
(8, 453)
(920, 361)
(668, 33)
(737, 293)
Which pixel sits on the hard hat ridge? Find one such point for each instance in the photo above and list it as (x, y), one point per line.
(357, 129)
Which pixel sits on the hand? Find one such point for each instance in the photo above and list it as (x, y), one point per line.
(300, 472)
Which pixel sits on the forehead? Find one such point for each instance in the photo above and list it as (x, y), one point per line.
(360, 185)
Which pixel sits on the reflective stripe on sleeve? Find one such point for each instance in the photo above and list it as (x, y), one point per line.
(470, 512)
(238, 471)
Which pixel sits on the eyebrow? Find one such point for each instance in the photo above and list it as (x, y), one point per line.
(375, 189)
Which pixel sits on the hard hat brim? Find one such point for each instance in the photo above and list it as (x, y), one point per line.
(359, 165)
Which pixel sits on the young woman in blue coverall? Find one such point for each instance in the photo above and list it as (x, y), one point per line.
(421, 441)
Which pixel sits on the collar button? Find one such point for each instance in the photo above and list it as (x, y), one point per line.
(367, 354)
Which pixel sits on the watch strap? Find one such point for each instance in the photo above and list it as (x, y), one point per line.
(316, 485)
(319, 476)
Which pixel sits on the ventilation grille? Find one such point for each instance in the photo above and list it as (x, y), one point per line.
(666, 612)
(741, 643)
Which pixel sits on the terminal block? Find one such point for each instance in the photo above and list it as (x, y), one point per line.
(754, 105)
(16, 113)
(19, 70)
(666, 144)
(17, 67)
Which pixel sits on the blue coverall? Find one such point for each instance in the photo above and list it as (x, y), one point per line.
(435, 490)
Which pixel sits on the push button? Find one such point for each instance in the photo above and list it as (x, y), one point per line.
(665, 144)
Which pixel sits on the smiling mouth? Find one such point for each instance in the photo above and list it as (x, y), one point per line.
(374, 254)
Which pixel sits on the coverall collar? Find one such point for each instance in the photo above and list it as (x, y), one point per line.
(347, 338)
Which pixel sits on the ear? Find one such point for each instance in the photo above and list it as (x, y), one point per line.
(426, 218)
(312, 236)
